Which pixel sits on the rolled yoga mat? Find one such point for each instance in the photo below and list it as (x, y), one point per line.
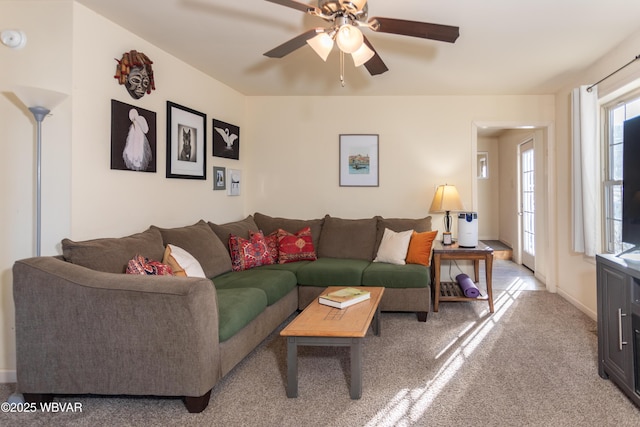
(469, 288)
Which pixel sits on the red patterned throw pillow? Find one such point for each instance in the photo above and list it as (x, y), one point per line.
(271, 241)
(142, 265)
(295, 247)
(249, 253)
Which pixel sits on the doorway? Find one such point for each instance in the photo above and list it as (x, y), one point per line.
(503, 140)
(527, 204)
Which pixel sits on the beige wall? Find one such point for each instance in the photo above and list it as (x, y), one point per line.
(111, 202)
(576, 273)
(71, 49)
(424, 142)
(489, 192)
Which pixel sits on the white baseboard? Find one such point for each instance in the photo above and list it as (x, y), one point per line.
(7, 376)
(583, 308)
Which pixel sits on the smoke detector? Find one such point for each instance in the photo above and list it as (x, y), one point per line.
(15, 39)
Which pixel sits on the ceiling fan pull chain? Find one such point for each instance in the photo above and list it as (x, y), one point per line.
(342, 68)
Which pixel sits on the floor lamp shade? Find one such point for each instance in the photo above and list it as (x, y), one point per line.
(38, 97)
(39, 102)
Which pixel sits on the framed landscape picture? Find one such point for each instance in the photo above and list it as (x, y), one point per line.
(359, 161)
(186, 144)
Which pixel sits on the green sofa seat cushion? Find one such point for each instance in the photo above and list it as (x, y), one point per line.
(332, 272)
(289, 266)
(237, 308)
(396, 276)
(274, 283)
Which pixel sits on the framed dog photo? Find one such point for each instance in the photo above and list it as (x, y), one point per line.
(219, 178)
(186, 143)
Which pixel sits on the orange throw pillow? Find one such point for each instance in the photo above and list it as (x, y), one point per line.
(420, 247)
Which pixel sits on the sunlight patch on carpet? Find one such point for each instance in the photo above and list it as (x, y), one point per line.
(410, 405)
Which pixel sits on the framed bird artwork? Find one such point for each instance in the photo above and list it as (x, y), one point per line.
(226, 140)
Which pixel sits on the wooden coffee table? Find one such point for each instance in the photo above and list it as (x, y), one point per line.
(321, 325)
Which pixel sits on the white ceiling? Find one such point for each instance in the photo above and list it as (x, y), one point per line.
(505, 46)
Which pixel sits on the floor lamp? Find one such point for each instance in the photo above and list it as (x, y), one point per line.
(40, 102)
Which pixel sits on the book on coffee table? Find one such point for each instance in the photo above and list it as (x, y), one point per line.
(344, 297)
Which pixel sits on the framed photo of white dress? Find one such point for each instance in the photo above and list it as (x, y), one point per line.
(133, 138)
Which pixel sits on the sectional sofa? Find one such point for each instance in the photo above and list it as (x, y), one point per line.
(84, 327)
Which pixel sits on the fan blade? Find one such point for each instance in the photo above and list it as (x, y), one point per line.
(444, 33)
(293, 44)
(375, 65)
(307, 8)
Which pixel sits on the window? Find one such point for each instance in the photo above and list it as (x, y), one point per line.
(616, 114)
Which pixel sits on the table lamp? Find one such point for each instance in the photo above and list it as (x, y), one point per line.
(446, 200)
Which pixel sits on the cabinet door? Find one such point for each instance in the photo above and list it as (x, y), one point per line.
(618, 342)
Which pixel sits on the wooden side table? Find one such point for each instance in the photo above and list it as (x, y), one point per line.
(450, 291)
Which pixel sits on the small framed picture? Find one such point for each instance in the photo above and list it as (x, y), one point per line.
(483, 164)
(186, 144)
(235, 178)
(219, 178)
(226, 140)
(359, 161)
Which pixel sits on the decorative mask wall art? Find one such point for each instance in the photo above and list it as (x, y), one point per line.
(135, 72)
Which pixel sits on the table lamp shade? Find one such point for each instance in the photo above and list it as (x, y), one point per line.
(446, 199)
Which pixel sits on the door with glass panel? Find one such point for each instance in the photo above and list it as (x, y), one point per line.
(527, 204)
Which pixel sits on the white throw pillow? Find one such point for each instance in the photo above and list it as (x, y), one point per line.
(182, 262)
(393, 247)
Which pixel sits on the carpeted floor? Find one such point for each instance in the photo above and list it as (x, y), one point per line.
(533, 362)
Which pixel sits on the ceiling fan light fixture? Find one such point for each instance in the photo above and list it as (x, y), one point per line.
(362, 55)
(353, 5)
(349, 38)
(322, 44)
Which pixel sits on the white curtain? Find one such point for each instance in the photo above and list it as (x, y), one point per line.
(585, 170)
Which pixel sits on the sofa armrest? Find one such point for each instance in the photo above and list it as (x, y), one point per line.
(80, 331)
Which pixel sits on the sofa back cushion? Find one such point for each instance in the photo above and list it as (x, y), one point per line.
(111, 255)
(348, 238)
(200, 241)
(238, 228)
(419, 225)
(269, 224)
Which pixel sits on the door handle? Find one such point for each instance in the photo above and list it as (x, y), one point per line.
(620, 341)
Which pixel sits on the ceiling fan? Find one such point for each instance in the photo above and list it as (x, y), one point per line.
(346, 17)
